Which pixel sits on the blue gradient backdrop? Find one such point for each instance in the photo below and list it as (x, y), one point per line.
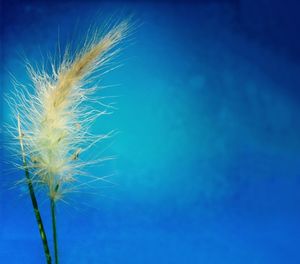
(208, 153)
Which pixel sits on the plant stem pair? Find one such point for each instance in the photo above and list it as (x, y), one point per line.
(36, 208)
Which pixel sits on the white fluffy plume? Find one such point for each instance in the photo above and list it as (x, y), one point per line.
(53, 121)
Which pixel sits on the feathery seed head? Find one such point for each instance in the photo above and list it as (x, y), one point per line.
(53, 123)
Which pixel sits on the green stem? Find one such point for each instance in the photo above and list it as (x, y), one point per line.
(33, 197)
(38, 215)
(54, 229)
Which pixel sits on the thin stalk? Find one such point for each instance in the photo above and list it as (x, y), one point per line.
(33, 198)
(54, 229)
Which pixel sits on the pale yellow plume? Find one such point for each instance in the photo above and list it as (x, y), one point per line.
(54, 123)
(84, 63)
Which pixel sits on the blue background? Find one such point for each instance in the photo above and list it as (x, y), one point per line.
(208, 153)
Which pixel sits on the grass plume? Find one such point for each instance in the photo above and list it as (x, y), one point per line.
(52, 124)
(55, 119)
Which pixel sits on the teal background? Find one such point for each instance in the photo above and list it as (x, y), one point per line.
(208, 149)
